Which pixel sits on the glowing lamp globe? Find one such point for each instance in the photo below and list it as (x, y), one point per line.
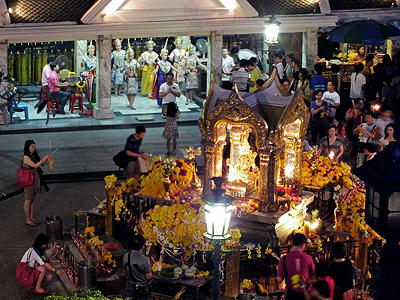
(272, 31)
(218, 209)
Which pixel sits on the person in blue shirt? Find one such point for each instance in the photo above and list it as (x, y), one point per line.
(318, 82)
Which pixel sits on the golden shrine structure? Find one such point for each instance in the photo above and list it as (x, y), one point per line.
(276, 124)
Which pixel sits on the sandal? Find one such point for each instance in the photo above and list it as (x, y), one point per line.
(44, 291)
(31, 224)
(37, 222)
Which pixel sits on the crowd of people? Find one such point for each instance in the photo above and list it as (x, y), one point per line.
(322, 280)
(352, 117)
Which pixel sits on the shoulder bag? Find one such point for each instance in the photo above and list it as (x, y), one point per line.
(27, 275)
(121, 159)
(25, 176)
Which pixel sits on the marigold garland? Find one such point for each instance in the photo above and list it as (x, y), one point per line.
(318, 171)
(179, 228)
(169, 175)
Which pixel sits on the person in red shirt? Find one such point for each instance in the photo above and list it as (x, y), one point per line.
(322, 272)
(55, 85)
(296, 262)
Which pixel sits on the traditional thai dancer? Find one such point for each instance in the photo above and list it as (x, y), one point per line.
(147, 61)
(118, 58)
(192, 82)
(162, 68)
(89, 73)
(130, 68)
(177, 57)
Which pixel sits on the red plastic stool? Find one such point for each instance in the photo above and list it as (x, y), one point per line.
(53, 104)
(74, 104)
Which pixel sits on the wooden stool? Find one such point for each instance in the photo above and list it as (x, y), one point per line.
(73, 105)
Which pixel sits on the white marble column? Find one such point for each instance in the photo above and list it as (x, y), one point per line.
(214, 58)
(310, 46)
(80, 50)
(103, 108)
(3, 67)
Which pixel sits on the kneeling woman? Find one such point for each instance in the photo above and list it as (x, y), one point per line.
(41, 269)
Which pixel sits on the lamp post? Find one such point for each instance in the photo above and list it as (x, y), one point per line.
(382, 212)
(218, 209)
(270, 38)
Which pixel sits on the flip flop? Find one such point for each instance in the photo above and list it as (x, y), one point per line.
(37, 222)
(32, 224)
(44, 291)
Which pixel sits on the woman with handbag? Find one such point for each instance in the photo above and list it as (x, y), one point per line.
(32, 161)
(32, 268)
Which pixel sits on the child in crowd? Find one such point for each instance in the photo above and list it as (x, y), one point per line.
(259, 83)
(171, 127)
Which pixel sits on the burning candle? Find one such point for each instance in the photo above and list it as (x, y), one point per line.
(376, 107)
(331, 155)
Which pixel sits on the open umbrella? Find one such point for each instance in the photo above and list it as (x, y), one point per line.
(364, 32)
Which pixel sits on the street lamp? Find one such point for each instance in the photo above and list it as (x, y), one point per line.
(270, 37)
(272, 30)
(382, 212)
(218, 208)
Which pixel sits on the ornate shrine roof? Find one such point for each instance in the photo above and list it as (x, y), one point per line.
(46, 11)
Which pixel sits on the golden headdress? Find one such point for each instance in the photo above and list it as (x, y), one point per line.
(91, 47)
(129, 50)
(118, 42)
(164, 50)
(150, 42)
(178, 39)
(191, 47)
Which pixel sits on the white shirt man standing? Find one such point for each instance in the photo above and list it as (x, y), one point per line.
(169, 91)
(332, 98)
(278, 64)
(227, 62)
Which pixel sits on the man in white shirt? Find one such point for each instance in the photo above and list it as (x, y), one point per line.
(227, 62)
(332, 98)
(169, 91)
(278, 64)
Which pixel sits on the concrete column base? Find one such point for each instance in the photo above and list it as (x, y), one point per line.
(103, 113)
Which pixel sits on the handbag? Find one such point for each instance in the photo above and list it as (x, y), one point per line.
(27, 275)
(25, 176)
(121, 159)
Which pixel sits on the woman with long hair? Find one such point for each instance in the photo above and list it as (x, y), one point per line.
(41, 269)
(32, 161)
(389, 136)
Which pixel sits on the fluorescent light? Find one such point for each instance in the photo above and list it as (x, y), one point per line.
(113, 6)
(229, 4)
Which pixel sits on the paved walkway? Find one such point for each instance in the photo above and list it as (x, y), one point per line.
(80, 152)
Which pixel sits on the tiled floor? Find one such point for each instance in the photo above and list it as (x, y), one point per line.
(119, 104)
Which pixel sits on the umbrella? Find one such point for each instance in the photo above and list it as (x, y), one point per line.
(246, 54)
(364, 32)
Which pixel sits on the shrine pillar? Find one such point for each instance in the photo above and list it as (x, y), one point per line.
(3, 66)
(103, 108)
(293, 162)
(310, 47)
(80, 51)
(209, 166)
(214, 58)
(263, 190)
